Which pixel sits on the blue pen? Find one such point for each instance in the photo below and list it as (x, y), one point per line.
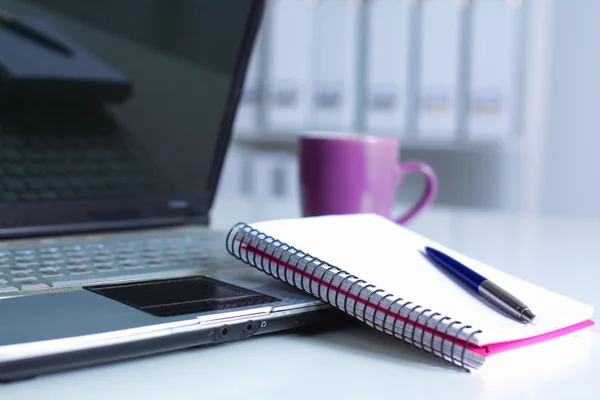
(485, 288)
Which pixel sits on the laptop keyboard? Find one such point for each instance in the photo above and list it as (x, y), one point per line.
(47, 267)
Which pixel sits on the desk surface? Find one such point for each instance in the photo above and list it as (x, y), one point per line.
(359, 362)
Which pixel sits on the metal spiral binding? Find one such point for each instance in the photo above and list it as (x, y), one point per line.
(247, 244)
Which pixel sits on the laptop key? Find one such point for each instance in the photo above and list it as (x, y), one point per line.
(9, 197)
(36, 183)
(25, 252)
(49, 195)
(51, 274)
(49, 250)
(78, 271)
(57, 183)
(8, 288)
(29, 196)
(14, 169)
(20, 276)
(134, 267)
(19, 270)
(157, 264)
(72, 247)
(30, 285)
(78, 261)
(106, 268)
(28, 265)
(103, 259)
(13, 184)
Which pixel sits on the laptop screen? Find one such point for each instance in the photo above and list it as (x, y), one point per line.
(116, 112)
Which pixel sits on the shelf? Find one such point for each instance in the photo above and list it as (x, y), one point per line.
(286, 140)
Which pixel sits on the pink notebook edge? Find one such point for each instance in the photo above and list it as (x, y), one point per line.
(501, 347)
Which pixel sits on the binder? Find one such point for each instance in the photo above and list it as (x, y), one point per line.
(248, 173)
(264, 186)
(335, 62)
(278, 174)
(247, 119)
(439, 69)
(494, 58)
(387, 69)
(289, 64)
(287, 177)
(230, 184)
(374, 270)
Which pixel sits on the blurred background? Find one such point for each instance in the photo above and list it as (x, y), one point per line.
(501, 97)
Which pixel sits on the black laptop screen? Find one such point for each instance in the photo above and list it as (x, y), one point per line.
(116, 110)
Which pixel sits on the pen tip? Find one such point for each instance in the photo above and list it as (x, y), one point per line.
(530, 317)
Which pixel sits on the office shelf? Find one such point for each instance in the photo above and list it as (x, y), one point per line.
(286, 140)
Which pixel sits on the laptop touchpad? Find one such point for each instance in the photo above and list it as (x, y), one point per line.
(171, 297)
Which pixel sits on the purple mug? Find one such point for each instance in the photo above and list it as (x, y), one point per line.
(353, 174)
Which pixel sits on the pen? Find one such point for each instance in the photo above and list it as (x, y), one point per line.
(484, 287)
(13, 24)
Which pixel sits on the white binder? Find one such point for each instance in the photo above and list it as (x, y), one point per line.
(281, 175)
(387, 69)
(289, 40)
(493, 69)
(248, 113)
(237, 175)
(288, 176)
(275, 175)
(262, 167)
(438, 72)
(336, 60)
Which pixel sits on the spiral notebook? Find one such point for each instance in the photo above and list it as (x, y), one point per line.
(373, 269)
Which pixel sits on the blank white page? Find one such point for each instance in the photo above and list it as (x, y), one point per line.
(390, 256)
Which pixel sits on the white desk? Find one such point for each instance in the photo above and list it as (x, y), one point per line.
(554, 252)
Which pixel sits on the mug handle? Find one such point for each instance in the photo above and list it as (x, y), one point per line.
(428, 195)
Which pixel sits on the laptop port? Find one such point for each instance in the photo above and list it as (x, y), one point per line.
(235, 331)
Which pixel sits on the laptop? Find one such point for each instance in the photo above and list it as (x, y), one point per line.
(115, 121)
